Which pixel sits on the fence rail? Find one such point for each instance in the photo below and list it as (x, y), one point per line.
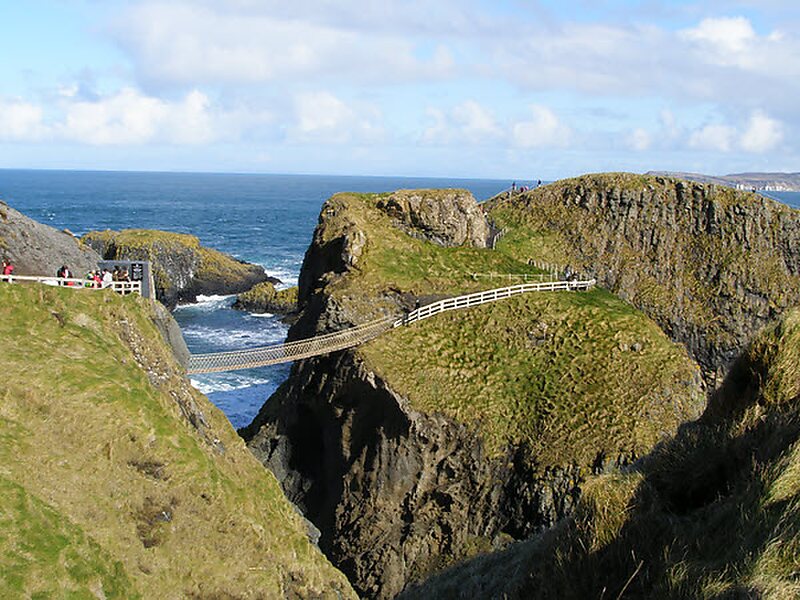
(279, 353)
(121, 287)
(478, 298)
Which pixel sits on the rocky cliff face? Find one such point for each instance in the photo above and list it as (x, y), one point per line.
(399, 492)
(36, 249)
(445, 217)
(711, 265)
(182, 268)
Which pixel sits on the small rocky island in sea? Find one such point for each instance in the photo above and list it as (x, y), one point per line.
(634, 439)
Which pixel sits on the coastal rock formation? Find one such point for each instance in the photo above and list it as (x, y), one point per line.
(711, 265)
(434, 443)
(141, 486)
(182, 268)
(444, 217)
(36, 249)
(263, 298)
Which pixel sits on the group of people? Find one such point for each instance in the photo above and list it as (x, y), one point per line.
(523, 188)
(99, 278)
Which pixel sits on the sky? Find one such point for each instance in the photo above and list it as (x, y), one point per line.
(452, 88)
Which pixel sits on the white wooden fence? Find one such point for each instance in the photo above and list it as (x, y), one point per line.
(121, 287)
(347, 338)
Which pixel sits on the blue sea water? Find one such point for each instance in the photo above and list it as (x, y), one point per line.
(264, 219)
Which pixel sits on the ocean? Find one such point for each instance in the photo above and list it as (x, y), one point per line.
(263, 219)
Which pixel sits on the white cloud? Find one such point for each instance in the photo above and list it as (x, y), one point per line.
(467, 122)
(129, 117)
(762, 134)
(713, 137)
(726, 35)
(21, 121)
(126, 117)
(640, 139)
(323, 117)
(186, 44)
(543, 129)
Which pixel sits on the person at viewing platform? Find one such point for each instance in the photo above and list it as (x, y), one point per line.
(64, 273)
(8, 268)
(107, 278)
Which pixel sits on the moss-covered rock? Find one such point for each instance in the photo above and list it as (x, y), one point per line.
(182, 268)
(263, 298)
(141, 486)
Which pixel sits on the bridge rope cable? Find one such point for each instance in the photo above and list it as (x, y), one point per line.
(347, 338)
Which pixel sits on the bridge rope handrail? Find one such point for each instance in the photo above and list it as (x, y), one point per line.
(347, 338)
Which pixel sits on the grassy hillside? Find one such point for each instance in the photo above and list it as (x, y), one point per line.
(710, 264)
(117, 479)
(569, 374)
(388, 260)
(713, 514)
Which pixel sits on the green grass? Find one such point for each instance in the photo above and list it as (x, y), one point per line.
(94, 404)
(713, 513)
(568, 374)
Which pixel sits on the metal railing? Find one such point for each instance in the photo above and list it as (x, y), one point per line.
(121, 287)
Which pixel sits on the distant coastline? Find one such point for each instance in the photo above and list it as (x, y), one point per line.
(768, 182)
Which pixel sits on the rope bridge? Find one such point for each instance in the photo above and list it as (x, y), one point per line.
(347, 338)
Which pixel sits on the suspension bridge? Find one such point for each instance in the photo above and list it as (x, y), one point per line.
(347, 338)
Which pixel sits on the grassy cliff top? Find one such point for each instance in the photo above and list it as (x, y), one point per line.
(572, 375)
(713, 514)
(141, 486)
(712, 265)
(393, 259)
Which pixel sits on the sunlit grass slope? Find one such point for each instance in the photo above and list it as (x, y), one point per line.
(569, 374)
(117, 479)
(713, 514)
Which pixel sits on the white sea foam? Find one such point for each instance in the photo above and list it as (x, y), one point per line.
(233, 339)
(261, 315)
(226, 382)
(207, 304)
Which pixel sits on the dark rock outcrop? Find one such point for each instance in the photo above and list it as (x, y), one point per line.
(396, 493)
(182, 268)
(36, 249)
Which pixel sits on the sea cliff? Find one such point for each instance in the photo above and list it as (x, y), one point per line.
(462, 433)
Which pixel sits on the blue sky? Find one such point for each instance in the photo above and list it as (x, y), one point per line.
(466, 88)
